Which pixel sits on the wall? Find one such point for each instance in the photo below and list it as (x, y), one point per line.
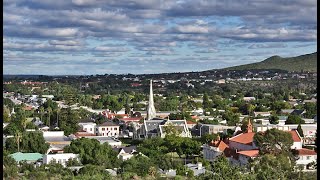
(108, 131)
(59, 158)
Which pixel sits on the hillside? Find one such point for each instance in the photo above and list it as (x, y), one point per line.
(307, 62)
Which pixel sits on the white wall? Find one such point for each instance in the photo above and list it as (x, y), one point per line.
(210, 153)
(58, 158)
(296, 145)
(53, 133)
(108, 131)
(88, 127)
(304, 160)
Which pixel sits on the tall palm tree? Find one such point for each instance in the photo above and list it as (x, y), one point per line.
(58, 111)
(18, 139)
(49, 109)
(41, 112)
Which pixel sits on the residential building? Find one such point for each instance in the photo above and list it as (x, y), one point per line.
(263, 114)
(109, 129)
(125, 153)
(59, 158)
(214, 149)
(214, 129)
(197, 169)
(28, 157)
(88, 127)
(306, 157)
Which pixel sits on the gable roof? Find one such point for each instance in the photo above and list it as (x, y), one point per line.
(243, 138)
(250, 153)
(127, 149)
(219, 144)
(306, 152)
(297, 112)
(295, 136)
(191, 122)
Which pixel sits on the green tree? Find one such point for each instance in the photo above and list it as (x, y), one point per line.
(92, 170)
(206, 102)
(274, 119)
(10, 168)
(138, 164)
(92, 152)
(300, 131)
(207, 138)
(49, 113)
(294, 119)
(273, 141)
(269, 166)
(41, 112)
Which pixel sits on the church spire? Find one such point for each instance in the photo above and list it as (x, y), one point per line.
(151, 111)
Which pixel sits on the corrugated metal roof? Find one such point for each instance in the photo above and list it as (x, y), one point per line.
(26, 156)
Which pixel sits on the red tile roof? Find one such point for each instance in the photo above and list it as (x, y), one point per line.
(131, 119)
(27, 108)
(191, 122)
(243, 138)
(249, 153)
(295, 136)
(306, 152)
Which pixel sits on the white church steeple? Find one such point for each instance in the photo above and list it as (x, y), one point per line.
(151, 111)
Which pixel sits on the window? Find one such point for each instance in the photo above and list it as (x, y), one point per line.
(107, 129)
(115, 128)
(104, 129)
(308, 157)
(85, 129)
(102, 134)
(115, 134)
(90, 129)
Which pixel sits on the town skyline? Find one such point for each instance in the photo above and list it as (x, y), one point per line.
(77, 38)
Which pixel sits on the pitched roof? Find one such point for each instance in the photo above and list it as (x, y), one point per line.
(295, 136)
(26, 156)
(306, 152)
(131, 119)
(297, 112)
(219, 144)
(250, 153)
(108, 123)
(127, 149)
(243, 138)
(191, 122)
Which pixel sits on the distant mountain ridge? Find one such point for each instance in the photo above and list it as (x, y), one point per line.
(307, 62)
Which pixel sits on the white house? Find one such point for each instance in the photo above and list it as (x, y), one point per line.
(125, 153)
(297, 140)
(306, 156)
(88, 127)
(59, 158)
(214, 149)
(108, 128)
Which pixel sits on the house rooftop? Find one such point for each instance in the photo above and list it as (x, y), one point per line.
(243, 138)
(18, 156)
(109, 123)
(250, 153)
(306, 152)
(295, 136)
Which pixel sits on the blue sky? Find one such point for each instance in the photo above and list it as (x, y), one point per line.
(84, 37)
